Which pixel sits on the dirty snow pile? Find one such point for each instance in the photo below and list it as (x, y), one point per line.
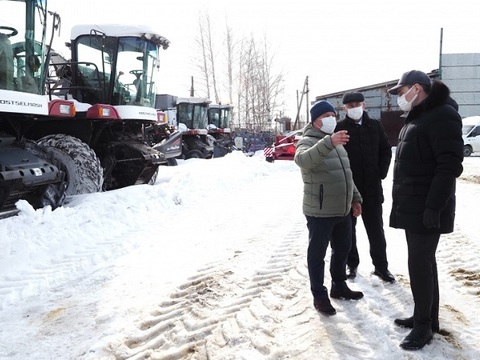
(210, 263)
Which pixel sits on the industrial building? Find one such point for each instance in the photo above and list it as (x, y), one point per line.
(460, 72)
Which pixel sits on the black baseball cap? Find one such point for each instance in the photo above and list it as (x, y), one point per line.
(411, 77)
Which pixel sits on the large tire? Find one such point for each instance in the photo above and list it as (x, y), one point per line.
(194, 154)
(172, 162)
(84, 173)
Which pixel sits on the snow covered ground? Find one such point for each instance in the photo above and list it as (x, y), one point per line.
(210, 263)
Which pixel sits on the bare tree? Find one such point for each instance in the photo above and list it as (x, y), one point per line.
(230, 66)
(202, 40)
(230, 62)
(258, 87)
(211, 56)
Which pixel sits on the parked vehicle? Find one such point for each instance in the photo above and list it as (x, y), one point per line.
(189, 116)
(471, 135)
(219, 128)
(165, 138)
(28, 170)
(71, 127)
(284, 147)
(113, 75)
(250, 142)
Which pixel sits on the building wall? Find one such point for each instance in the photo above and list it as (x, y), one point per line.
(460, 72)
(379, 104)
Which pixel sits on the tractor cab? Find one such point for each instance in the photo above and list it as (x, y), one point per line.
(219, 117)
(189, 116)
(26, 169)
(112, 64)
(22, 46)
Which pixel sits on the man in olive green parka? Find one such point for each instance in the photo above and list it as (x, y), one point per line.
(328, 196)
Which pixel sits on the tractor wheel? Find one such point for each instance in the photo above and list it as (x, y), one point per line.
(172, 162)
(196, 154)
(83, 171)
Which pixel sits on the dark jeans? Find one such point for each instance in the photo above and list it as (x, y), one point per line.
(372, 212)
(321, 231)
(422, 268)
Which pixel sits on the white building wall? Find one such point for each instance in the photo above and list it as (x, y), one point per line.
(461, 73)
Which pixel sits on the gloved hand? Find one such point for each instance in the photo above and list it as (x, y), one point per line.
(431, 218)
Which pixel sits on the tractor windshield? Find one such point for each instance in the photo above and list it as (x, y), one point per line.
(219, 116)
(224, 118)
(118, 71)
(137, 70)
(194, 116)
(22, 53)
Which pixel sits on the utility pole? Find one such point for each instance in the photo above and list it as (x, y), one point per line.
(307, 102)
(440, 60)
(299, 104)
(192, 91)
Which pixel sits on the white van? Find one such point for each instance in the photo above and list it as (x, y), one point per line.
(471, 135)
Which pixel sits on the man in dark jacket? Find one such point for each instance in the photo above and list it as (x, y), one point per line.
(370, 154)
(428, 160)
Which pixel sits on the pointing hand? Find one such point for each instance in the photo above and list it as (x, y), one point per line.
(340, 138)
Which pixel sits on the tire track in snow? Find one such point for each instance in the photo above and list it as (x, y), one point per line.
(459, 256)
(217, 309)
(462, 254)
(31, 282)
(456, 256)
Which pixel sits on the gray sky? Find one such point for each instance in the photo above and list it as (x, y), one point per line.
(339, 44)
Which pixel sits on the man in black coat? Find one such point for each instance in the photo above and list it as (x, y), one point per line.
(370, 154)
(428, 160)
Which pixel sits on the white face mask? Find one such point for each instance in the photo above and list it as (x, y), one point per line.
(328, 124)
(355, 113)
(403, 103)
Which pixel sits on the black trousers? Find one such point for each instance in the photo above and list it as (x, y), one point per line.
(422, 268)
(372, 216)
(336, 231)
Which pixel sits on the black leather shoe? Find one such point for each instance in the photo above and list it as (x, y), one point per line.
(385, 275)
(323, 305)
(345, 293)
(405, 322)
(351, 272)
(408, 323)
(417, 339)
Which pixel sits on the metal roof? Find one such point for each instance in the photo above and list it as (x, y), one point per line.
(118, 30)
(387, 84)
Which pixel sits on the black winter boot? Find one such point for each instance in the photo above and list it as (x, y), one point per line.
(323, 306)
(351, 272)
(408, 323)
(417, 339)
(342, 291)
(385, 275)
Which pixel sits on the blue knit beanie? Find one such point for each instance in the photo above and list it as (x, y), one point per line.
(320, 108)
